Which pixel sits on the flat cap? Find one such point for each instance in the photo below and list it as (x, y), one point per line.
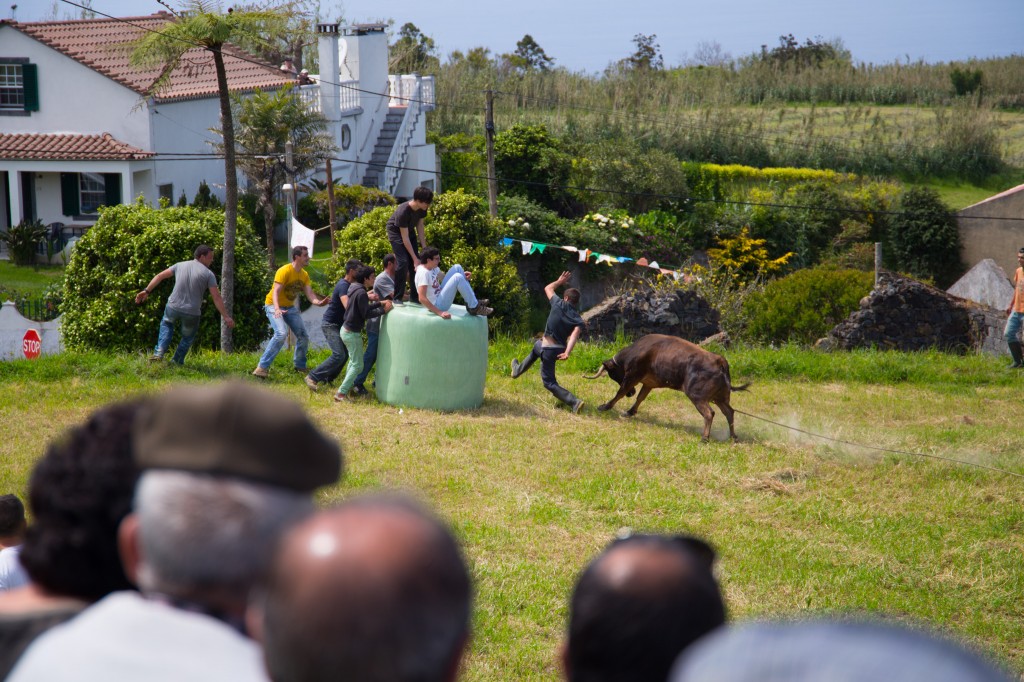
(233, 429)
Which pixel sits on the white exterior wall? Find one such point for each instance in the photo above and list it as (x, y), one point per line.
(422, 159)
(364, 58)
(183, 128)
(73, 98)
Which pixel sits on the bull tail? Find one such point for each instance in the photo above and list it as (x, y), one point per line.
(599, 374)
(741, 387)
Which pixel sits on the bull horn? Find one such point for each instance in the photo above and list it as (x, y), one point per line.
(599, 374)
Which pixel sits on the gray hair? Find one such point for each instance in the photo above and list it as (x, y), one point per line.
(199, 532)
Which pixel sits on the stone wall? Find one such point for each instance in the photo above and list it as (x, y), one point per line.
(683, 314)
(903, 314)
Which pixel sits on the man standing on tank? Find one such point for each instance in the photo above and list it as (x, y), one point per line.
(404, 243)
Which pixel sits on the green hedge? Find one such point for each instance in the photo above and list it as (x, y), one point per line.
(130, 244)
(804, 306)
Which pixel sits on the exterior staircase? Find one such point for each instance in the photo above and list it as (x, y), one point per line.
(374, 176)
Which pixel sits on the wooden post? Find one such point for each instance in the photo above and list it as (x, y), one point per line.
(878, 261)
(330, 207)
(492, 181)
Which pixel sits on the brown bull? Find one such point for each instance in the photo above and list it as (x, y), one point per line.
(659, 361)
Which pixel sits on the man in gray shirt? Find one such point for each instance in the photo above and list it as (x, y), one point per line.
(191, 279)
(384, 287)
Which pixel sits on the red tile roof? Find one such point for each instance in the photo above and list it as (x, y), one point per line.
(100, 44)
(65, 146)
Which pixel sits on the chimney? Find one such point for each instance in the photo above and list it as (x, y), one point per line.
(330, 92)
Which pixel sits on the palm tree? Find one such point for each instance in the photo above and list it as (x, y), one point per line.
(265, 123)
(201, 27)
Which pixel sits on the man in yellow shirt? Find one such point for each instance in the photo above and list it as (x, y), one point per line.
(1016, 315)
(289, 281)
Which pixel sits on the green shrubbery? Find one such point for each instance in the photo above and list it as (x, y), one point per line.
(458, 224)
(23, 240)
(804, 306)
(924, 239)
(126, 247)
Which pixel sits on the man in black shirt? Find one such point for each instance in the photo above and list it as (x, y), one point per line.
(560, 334)
(404, 242)
(328, 370)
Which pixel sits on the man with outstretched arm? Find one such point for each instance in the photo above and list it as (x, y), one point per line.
(403, 238)
(328, 370)
(384, 288)
(191, 279)
(289, 281)
(560, 335)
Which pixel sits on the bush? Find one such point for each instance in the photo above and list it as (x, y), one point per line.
(924, 239)
(459, 225)
(23, 239)
(804, 306)
(531, 162)
(119, 255)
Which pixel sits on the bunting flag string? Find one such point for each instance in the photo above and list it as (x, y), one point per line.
(530, 247)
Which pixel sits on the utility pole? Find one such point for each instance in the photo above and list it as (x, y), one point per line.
(492, 181)
(288, 168)
(330, 207)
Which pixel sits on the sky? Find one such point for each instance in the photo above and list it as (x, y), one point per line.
(588, 36)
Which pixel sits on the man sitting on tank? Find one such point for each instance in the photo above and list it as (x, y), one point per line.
(437, 289)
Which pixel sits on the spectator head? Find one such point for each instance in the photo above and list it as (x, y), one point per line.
(429, 253)
(376, 588)
(390, 260)
(572, 297)
(12, 517)
(299, 252)
(79, 493)
(423, 195)
(226, 469)
(202, 250)
(351, 265)
(840, 651)
(638, 605)
(364, 275)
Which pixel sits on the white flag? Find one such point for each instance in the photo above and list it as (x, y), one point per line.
(302, 236)
(526, 248)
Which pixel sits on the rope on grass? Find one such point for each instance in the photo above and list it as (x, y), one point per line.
(880, 449)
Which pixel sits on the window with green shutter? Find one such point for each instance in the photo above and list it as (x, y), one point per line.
(19, 87)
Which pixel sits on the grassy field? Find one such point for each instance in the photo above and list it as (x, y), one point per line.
(803, 525)
(26, 280)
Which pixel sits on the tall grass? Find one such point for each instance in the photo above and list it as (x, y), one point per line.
(746, 115)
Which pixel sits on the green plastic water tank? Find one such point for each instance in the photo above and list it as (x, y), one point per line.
(426, 361)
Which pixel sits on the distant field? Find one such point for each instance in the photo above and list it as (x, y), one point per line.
(803, 526)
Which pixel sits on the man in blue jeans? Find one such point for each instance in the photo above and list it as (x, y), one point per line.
(328, 370)
(191, 279)
(384, 288)
(1015, 315)
(437, 289)
(289, 281)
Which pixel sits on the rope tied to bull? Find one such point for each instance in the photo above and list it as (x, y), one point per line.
(880, 449)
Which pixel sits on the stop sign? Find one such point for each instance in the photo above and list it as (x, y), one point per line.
(31, 345)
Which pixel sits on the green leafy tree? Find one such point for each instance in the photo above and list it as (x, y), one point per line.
(120, 254)
(460, 226)
(647, 56)
(923, 237)
(812, 54)
(266, 122)
(205, 198)
(197, 33)
(413, 52)
(965, 81)
(532, 163)
(529, 56)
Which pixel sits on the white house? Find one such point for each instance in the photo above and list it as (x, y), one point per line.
(79, 128)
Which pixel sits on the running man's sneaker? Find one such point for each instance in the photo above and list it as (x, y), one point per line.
(260, 372)
(577, 406)
(311, 382)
